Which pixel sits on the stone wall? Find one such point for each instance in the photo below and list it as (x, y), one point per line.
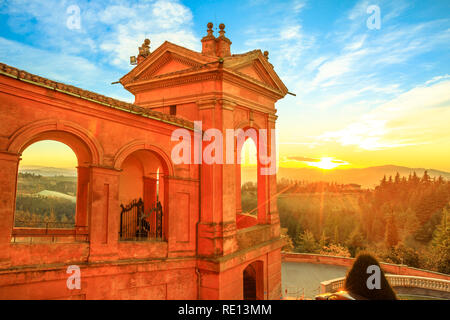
(347, 262)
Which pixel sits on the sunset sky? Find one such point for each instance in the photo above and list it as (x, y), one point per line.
(364, 97)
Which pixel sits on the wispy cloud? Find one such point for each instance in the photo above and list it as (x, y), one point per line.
(418, 116)
(110, 31)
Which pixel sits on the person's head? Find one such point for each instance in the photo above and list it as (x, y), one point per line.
(356, 281)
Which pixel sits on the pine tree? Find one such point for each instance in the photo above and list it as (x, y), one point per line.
(355, 242)
(391, 232)
(323, 240)
(383, 182)
(307, 243)
(397, 178)
(441, 243)
(426, 177)
(336, 235)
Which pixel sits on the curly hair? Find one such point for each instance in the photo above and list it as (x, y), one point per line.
(356, 280)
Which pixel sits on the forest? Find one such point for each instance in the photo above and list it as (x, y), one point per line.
(34, 210)
(403, 220)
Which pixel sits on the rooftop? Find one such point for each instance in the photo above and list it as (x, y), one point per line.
(25, 76)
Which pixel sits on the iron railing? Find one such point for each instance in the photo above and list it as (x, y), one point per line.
(135, 224)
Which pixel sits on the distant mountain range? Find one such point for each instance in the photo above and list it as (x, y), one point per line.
(366, 177)
(49, 171)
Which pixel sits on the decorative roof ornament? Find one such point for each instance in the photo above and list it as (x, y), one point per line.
(144, 52)
(223, 43)
(266, 54)
(210, 30)
(222, 32)
(209, 41)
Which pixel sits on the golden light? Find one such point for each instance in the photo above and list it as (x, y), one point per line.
(326, 163)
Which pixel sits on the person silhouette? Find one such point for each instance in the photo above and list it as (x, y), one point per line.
(359, 285)
(356, 281)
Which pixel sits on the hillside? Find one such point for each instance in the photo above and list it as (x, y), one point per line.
(367, 177)
(48, 171)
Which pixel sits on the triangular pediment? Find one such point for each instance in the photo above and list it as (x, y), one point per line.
(167, 64)
(256, 70)
(254, 65)
(166, 60)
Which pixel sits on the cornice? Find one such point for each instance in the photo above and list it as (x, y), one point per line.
(206, 104)
(173, 80)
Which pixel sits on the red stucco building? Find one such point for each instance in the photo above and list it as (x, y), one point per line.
(197, 244)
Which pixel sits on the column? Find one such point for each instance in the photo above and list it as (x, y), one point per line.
(9, 164)
(273, 216)
(104, 213)
(217, 227)
(238, 188)
(150, 185)
(81, 219)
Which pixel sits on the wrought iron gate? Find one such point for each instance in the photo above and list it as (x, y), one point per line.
(136, 224)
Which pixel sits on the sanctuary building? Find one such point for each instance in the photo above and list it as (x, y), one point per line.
(145, 226)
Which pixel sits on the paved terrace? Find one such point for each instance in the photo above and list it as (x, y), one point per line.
(304, 276)
(302, 273)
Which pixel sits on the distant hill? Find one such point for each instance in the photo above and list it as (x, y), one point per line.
(55, 194)
(49, 171)
(367, 177)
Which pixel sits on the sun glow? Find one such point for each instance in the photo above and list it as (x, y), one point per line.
(326, 163)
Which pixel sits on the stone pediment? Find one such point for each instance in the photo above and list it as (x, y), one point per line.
(164, 61)
(255, 65)
(168, 63)
(256, 70)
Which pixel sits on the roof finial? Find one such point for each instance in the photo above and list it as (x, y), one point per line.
(266, 54)
(210, 30)
(222, 31)
(144, 50)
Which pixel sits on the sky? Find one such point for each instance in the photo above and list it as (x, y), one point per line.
(368, 91)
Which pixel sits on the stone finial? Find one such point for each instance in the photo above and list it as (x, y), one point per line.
(222, 30)
(223, 43)
(210, 28)
(266, 54)
(209, 41)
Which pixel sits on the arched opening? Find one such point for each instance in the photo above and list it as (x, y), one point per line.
(143, 196)
(248, 185)
(46, 195)
(252, 281)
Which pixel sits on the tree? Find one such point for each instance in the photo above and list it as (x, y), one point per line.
(288, 245)
(426, 177)
(441, 243)
(323, 240)
(397, 178)
(391, 232)
(307, 243)
(336, 235)
(355, 242)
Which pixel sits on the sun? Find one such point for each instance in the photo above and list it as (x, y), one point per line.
(326, 163)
